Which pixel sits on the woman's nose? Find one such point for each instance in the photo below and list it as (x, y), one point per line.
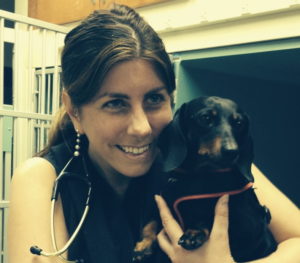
(139, 124)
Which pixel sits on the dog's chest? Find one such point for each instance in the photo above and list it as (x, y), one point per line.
(192, 198)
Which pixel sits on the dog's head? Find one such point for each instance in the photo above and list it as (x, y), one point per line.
(208, 133)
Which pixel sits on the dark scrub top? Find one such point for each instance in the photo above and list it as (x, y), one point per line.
(113, 225)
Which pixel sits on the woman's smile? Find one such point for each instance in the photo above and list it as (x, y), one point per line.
(134, 150)
(134, 153)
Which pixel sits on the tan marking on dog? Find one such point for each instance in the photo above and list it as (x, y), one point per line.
(212, 148)
(192, 232)
(149, 235)
(206, 231)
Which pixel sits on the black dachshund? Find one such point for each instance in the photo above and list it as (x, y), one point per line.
(207, 151)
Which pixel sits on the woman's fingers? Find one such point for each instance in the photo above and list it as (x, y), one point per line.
(164, 242)
(220, 227)
(171, 227)
(216, 249)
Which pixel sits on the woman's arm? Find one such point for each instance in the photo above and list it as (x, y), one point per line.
(285, 223)
(285, 226)
(29, 212)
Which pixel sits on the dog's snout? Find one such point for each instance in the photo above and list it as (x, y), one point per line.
(229, 149)
(229, 154)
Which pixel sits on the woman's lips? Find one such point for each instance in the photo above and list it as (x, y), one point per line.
(133, 149)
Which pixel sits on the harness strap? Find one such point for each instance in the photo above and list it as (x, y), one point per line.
(205, 196)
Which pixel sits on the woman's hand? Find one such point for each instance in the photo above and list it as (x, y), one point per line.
(215, 249)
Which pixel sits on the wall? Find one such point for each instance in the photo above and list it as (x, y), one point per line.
(180, 13)
(21, 7)
(194, 24)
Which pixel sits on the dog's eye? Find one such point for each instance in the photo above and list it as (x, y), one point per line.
(238, 123)
(206, 119)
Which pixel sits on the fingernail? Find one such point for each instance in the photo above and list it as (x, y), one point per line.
(156, 197)
(158, 200)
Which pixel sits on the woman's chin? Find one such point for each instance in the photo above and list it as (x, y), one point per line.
(135, 171)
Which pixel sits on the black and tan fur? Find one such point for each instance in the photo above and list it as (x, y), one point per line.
(207, 151)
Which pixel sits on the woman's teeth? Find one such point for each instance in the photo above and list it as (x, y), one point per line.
(134, 150)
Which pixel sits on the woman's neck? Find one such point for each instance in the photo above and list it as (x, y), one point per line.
(116, 180)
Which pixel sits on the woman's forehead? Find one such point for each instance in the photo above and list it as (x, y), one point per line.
(129, 77)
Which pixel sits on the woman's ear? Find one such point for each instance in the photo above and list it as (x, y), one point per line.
(72, 111)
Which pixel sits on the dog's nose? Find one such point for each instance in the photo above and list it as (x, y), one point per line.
(229, 155)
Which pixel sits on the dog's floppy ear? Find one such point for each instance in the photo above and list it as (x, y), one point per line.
(246, 155)
(172, 142)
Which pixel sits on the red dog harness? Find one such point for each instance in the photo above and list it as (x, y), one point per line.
(204, 196)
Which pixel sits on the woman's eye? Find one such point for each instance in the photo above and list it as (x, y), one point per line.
(154, 99)
(115, 105)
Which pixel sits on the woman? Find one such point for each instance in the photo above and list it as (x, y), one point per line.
(118, 85)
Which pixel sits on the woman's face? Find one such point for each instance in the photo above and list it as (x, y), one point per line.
(124, 120)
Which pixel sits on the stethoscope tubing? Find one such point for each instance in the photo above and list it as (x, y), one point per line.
(58, 252)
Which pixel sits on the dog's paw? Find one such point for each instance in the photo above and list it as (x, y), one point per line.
(193, 239)
(142, 251)
(140, 256)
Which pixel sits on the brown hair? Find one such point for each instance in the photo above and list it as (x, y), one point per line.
(103, 39)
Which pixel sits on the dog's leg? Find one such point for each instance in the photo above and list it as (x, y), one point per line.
(194, 238)
(143, 249)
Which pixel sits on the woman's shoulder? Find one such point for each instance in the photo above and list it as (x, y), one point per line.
(29, 210)
(33, 164)
(47, 165)
(36, 169)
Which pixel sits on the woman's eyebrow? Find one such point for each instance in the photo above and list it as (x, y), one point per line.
(156, 90)
(117, 95)
(113, 95)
